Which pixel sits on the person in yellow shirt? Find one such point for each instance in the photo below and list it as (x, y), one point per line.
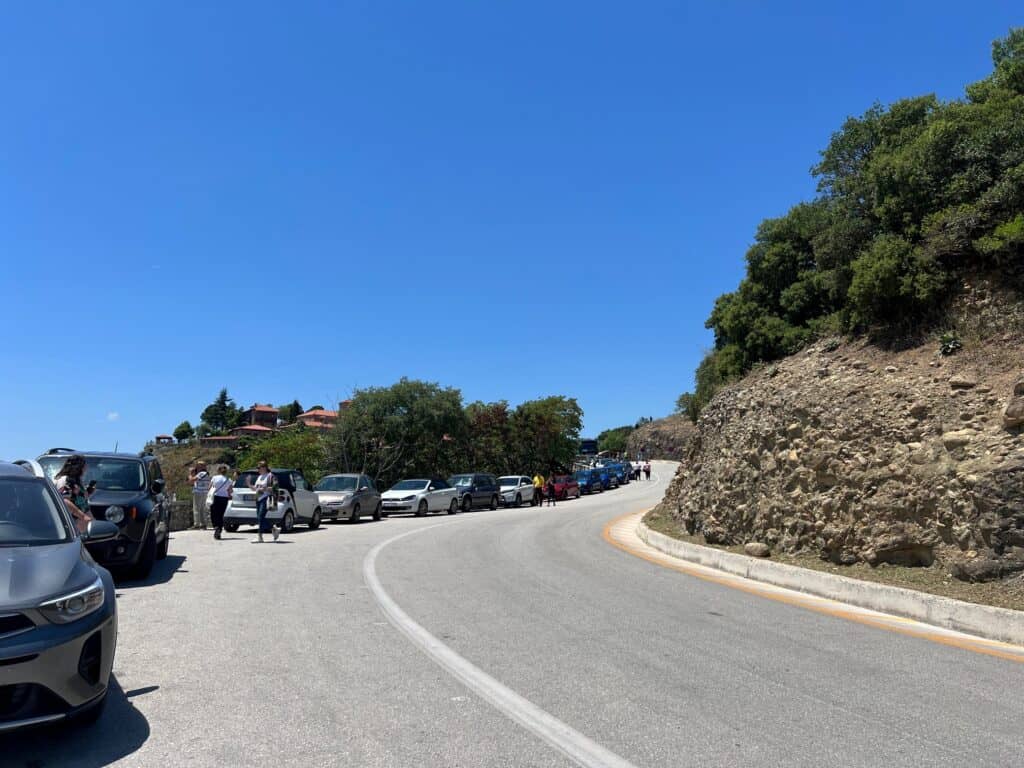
(538, 489)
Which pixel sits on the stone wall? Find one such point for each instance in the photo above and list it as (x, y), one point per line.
(859, 454)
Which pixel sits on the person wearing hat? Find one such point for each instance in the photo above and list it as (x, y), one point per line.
(200, 480)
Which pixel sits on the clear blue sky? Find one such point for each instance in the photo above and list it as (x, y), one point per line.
(516, 199)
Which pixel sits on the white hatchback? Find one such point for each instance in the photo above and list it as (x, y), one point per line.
(420, 497)
(516, 489)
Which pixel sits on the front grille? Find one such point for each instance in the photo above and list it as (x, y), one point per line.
(14, 623)
(90, 658)
(28, 700)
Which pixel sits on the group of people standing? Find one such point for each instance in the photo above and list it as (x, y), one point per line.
(210, 497)
(544, 489)
(641, 471)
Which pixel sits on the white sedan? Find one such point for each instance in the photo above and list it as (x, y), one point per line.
(420, 497)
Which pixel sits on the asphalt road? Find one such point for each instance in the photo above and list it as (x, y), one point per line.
(511, 638)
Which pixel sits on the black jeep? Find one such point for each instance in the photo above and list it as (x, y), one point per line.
(130, 493)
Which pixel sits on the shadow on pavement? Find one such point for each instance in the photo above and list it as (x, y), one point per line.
(119, 732)
(163, 571)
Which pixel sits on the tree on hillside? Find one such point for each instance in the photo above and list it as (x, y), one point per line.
(614, 440)
(546, 433)
(684, 404)
(289, 413)
(299, 448)
(912, 198)
(222, 414)
(183, 432)
(412, 428)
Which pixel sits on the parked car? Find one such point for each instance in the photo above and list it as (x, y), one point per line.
(588, 481)
(515, 489)
(608, 478)
(347, 497)
(296, 502)
(420, 496)
(566, 487)
(476, 490)
(58, 616)
(620, 471)
(129, 493)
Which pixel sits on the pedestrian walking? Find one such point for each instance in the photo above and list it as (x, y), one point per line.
(538, 489)
(266, 494)
(70, 483)
(647, 470)
(200, 480)
(221, 490)
(551, 491)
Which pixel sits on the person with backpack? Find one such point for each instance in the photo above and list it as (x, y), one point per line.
(221, 490)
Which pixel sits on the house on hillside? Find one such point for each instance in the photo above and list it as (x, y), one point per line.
(261, 416)
(252, 430)
(318, 418)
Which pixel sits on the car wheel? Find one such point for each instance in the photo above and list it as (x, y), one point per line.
(422, 509)
(144, 567)
(356, 514)
(89, 716)
(287, 522)
(315, 522)
(453, 507)
(467, 503)
(494, 502)
(519, 500)
(376, 512)
(161, 550)
(230, 527)
(565, 495)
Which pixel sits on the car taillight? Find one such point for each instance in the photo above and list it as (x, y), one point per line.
(282, 495)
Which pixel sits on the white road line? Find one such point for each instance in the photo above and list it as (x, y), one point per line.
(570, 742)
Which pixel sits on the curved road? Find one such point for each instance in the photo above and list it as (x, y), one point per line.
(512, 638)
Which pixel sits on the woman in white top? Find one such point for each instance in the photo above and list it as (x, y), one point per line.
(221, 488)
(265, 487)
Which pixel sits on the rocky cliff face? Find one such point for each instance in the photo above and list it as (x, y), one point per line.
(666, 438)
(861, 454)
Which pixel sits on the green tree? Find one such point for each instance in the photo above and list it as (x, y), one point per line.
(614, 440)
(684, 403)
(295, 448)
(490, 447)
(412, 428)
(546, 433)
(222, 414)
(183, 432)
(289, 413)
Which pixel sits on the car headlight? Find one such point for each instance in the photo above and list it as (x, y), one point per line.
(115, 514)
(73, 606)
(408, 498)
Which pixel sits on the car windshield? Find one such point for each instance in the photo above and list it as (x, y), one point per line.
(109, 473)
(508, 481)
(410, 485)
(460, 480)
(336, 483)
(29, 515)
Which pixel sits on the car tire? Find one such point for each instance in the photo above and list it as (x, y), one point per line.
(287, 522)
(89, 716)
(147, 557)
(453, 508)
(467, 503)
(356, 514)
(376, 512)
(565, 495)
(518, 501)
(421, 510)
(230, 527)
(315, 522)
(494, 502)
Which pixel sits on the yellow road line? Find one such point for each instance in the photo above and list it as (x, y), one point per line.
(919, 630)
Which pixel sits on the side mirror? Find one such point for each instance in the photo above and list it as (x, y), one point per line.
(158, 485)
(100, 530)
(365, 488)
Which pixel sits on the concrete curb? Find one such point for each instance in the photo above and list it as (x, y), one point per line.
(982, 620)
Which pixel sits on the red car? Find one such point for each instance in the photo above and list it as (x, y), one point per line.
(566, 487)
